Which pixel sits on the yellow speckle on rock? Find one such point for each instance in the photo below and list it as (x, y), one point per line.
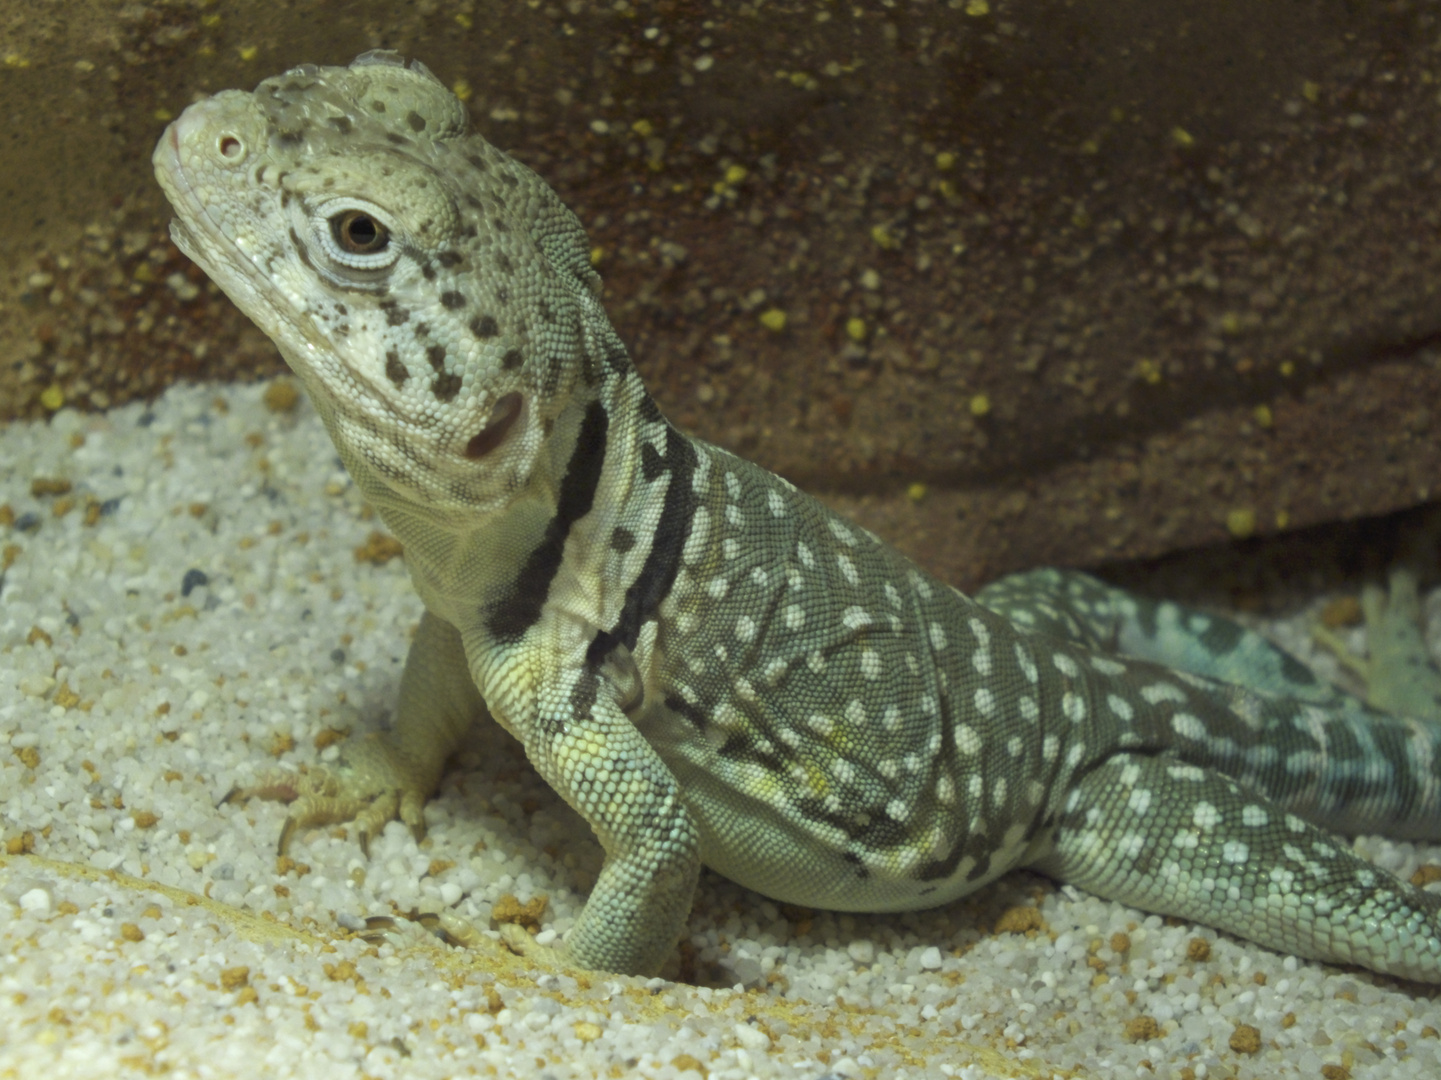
(586, 1031)
(1311, 91)
(856, 329)
(1241, 523)
(52, 397)
(1148, 371)
(210, 20)
(597, 253)
(1230, 323)
(916, 492)
(15, 60)
(1182, 138)
(465, 22)
(945, 160)
(461, 88)
(1262, 414)
(977, 8)
(773, 319)
(164, 115)
(736, 173)
(1283, 519)
(884, 238)
(248, 52)
(980, 404)
(643, 128)
(1287, 368)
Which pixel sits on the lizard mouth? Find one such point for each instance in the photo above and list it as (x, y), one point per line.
(210, 246)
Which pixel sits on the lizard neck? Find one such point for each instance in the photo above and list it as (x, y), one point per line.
(594, 533)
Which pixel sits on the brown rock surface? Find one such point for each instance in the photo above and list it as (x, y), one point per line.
(1105, 277)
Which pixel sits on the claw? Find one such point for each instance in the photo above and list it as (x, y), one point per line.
(377, 928)
(286, 832)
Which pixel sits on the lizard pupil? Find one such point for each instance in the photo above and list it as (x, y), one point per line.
(359, 233)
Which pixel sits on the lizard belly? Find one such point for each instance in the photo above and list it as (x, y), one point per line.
(850, 823)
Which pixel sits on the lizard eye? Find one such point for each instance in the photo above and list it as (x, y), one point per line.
(356, 238)
(359, 233)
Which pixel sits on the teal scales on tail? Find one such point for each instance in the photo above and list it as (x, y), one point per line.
(709, 665)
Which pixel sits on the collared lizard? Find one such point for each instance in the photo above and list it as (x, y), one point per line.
(709, 665)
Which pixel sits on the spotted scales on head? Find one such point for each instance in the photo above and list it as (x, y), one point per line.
(706, 663)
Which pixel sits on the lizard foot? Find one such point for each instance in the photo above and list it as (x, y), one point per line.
(371, 786)
(1400, 675)
(515, 937)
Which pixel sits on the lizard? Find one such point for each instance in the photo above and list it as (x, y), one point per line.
(706, 663)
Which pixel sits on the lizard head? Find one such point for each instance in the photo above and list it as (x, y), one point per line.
(434, 295)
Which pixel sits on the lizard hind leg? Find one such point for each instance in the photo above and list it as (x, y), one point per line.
(1183, 840)
(1089, 612)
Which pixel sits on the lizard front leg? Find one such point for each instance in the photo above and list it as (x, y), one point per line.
(589, 751)
(390, 774)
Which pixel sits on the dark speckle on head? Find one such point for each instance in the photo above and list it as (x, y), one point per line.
(445, 387)
(484, 327)
(376, 105)
(394, 313)
(301, 249)
(478, 161)
(545, 313)
(510, 179)
(622, 539)
(341, 124)
(429, 271)
(394, 369)
(511, 360)
(436, 355)
(449, 258)
(500, 225)
(473, 202)
(422, 329)
(398, 140)
(502, 294)
(452, 299)
(502, 260)
(415, 120)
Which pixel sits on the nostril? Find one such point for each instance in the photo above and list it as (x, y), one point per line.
(230, 147)
(502, 417)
